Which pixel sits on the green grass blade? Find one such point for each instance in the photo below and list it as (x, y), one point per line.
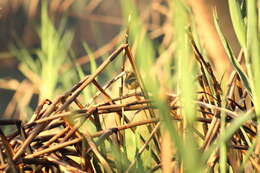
(223, 147)
(25, 57)
(231, 57)
(55, 44)
(145, 56)
(258, 5)
(92, 65)
(186, 71)
(232, 128)
(235, 125)
(253, 51)
(223, 157)
(238, 22)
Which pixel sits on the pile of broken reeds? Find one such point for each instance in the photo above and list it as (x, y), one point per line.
(49, 141)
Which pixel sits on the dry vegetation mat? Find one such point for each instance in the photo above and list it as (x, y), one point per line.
(162, 107)
(52, 136)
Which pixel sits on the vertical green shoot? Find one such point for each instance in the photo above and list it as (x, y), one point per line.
(186, 87)
(253, 51)
(238, 22)
(53, 52)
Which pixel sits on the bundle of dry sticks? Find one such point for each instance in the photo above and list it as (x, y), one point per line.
(46, 143)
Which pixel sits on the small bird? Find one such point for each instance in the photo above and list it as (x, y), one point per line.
(131, 81)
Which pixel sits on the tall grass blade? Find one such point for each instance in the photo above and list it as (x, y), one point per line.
(235, 125)
(185, 73)
(53, 53)
(231, 57)
(92, 65)
(253, 51)
(238, 21)
(145, 61)
(223, 147)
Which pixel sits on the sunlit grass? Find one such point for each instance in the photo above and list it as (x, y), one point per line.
(180, 70)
